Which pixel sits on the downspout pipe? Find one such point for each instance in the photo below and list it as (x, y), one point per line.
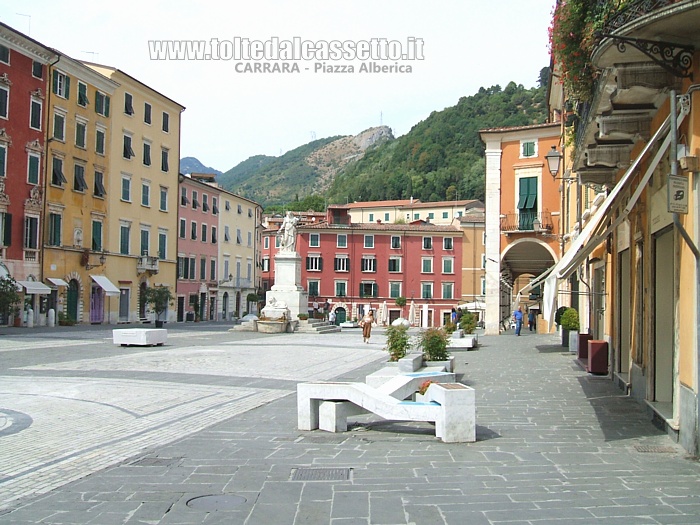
(696, 253)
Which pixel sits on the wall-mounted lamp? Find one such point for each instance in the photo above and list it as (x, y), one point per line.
(553, 161)
(102, 260)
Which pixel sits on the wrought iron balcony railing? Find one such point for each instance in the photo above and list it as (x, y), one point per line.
(527, 222)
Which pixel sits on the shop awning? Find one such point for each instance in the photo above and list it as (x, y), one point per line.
(106, 285)
(603, 222)
(34, 287)
(57, 281)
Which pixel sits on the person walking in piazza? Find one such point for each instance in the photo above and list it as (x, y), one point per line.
(518, 317)
(366, 324)
(531, 319)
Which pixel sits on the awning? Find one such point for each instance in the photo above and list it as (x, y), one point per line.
(106, 285)
(602, 223)
(57, 281)
(34, 287)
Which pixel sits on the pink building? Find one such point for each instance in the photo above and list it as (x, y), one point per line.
(353, 267)
(197, 250)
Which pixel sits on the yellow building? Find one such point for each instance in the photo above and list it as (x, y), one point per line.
(76, 177)
(142, 194)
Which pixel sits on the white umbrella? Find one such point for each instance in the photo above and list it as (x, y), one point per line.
(385, 313)
(412, 313)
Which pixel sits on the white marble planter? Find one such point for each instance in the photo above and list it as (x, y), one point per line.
(272, 327)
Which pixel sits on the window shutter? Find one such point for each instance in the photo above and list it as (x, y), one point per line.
(67, 86)
(308, 262)
(320, 263)
(335, 264)
(3, 153)
(106, 106)
(7, 234)
(361, 290)
(375, 290)
(523, 193)
(347, 264)
(55, 82)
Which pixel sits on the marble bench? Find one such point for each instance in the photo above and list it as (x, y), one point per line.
(140, 336)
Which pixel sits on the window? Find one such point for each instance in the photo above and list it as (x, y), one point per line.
(395, 242)
(100, 141)
(416, 216)
(126, 189)
(341, 264)
(368, 290)
(162, 245)
(240, 209)
(313, 287)
(386, 217)
(183, 228)
(4, 101)
(193, 232)
(166, 122)
(97, 236)
(250, 212)
(394, 264)
(195, 199)
(204, 233)
(483, 260)
(184, 201)
(203, 268)
(4, 54)
(212, 269)
(61, 84)
(448, 290)
(205, 202)
(128, 151)
(341, 288)
(528, 148)
(250, 238)
(227, 236)
(57, 177)
(314, 263)
(371, 217)
(3, 160)
(239, 239)
(145, 241)
(447, 243)
(146, 154)
(214, 238)
(124, 233)
(445, 214)
(98, 189)
(431, 215)
(314, 240)
(227, 206)
(31, 233)
(192, 264)
(342, 241)
(164, 166)
(79, 183)
(5, 229)
(427, 243)
(59, 126)
(427, 265)
(483, 286)
(426, 290)
(527, 202)
(37, 69)
(54, 229)
(369, 264)
(266, 264)
(369, 241)
(146, 112)
(266, 242)
(101, 104)
(145, 194)
(35, 114)
(33, 163)
(163, 199)
(214, 206)
(128, 104)
(483, 238)
(80, 133)
(448, 265)
(82, 94)
(394, 290)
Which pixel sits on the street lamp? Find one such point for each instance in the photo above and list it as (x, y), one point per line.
(553, 161)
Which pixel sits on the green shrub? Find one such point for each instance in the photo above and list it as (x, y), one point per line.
(468, 322)
(569, 319)
(450, 327)
(303, 317)
(557, 315)
(433, 342)
(397, 342)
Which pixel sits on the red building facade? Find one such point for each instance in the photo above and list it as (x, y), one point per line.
(353, 267)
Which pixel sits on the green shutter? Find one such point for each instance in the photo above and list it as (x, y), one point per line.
(55, 82)
(7, 230)
(33, 168)
(3, 155)
(67, 87)
(106, 106)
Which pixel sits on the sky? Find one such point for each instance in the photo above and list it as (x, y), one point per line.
(452, 47)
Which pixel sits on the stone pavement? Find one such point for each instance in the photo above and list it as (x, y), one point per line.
(108, 435)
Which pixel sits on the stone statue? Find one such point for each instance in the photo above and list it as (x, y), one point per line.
(288, 233)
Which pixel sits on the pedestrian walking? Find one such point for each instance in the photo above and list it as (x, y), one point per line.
(366, 324)
(518, 318)
(331, 317)
(531, 319)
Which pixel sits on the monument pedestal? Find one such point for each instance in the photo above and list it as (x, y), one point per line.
(287, 287)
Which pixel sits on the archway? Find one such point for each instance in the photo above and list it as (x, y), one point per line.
(224, 303)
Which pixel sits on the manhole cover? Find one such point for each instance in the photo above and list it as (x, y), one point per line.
(216, 502)
(655, 448)
(321, 474)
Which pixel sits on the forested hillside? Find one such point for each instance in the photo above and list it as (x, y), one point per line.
(442, 157)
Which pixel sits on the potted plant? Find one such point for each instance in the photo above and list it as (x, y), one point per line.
(397, 342)
(468, 324)
(159, 297)
(570, 325)
(433, 343)
(9, 298)
(303, 317)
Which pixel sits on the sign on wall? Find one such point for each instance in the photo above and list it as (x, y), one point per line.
(677, 194)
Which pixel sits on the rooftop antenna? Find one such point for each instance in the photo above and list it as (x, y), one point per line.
(94, 53)
(29, 22)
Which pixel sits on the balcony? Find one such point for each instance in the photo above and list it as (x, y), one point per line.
(526, 222)
(147, 263)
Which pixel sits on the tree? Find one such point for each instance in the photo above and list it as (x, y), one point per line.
(401, 302)
(158, 297)
(9, 297)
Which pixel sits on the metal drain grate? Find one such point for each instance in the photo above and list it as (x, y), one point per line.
(658, 449)
(321, 474)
